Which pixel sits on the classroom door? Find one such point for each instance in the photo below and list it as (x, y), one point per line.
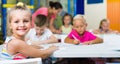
(113, 14)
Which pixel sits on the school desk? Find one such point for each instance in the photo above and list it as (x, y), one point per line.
(109, 48)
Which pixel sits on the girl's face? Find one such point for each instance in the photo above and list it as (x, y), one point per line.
(79, 26)
(20, 22)
(105, 25)
(40, 30)
(56, 11)
(67, 20)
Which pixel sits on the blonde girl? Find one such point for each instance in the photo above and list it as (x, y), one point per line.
(15, 47)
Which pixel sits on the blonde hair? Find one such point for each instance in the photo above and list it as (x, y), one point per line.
(79, 17)
(18, 6)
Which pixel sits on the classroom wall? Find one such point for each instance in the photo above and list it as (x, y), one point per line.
(113, 14)
(94, 13)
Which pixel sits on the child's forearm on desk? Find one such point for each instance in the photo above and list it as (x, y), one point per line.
(97, 40)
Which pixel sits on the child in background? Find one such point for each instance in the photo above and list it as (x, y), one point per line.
(40, 34)
(104, 28)
(79, 34)
(66, 27)
(51, 12)
(15, 47)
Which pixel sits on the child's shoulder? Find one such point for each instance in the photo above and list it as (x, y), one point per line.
(15, 45)
(16, 42)
(47, 31)
(13, 40)
(87, 32)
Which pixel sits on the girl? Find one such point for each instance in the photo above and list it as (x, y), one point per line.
(51, 13)
(67, 27)
(79, 34)
(15, 47)
(40, 34)
(104, 28)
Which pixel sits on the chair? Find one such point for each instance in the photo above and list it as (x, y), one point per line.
(24, 61)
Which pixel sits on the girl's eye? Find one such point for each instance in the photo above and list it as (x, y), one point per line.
(16, 21)
(26, 21)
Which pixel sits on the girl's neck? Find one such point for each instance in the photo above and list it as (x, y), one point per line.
(18, 37)
(49, 11)
(66, 25)
(81, 35)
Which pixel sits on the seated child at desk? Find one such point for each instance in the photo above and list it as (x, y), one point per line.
(79, 34)
(104, 28)
(40, 34)
(66, 27)
(15, 47)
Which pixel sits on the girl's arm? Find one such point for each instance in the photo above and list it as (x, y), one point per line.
(29, 42)
(96, 41)
(97, 31)
(22, 47)
(51, 26)
(71, 41)
(113, 31)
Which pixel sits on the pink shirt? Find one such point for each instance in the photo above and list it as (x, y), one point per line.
(43, 11)
(87, 36)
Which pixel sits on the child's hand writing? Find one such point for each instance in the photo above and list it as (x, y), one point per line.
(76, 41)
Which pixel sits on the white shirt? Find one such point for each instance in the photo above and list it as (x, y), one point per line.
(32, 35)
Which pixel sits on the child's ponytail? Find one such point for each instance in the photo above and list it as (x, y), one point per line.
(20, 5)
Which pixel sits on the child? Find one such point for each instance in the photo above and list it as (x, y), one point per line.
(104, 28)
(79, 34)
(51, 13)
(15, 47)
(66, 27)
(40, 34)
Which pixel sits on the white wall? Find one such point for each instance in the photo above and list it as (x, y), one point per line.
(94, 13)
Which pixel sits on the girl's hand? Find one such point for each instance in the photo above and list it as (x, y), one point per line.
(53, 48)
(87, 43)
(76, 41)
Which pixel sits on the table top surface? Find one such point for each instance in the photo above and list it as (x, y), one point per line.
(109, 48)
